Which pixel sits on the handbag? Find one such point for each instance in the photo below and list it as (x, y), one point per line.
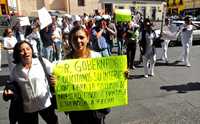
(52, 90)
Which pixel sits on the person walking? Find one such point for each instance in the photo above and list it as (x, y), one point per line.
(9, 42)
(47, 43)
(57, 41)
(79, 39)
(186, 39)
(132, 35)
(147, 37)
(29, 76)
(98, 38)
(169, 33)
(35, 40)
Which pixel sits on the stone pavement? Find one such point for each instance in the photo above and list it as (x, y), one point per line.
(171, 97)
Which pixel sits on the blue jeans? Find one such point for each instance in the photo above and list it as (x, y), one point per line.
(58, 54)
(48, 53)
(119, 45)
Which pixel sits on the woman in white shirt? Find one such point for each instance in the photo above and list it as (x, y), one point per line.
(9, 42)
(29, 76)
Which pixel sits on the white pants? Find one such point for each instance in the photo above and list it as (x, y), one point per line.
(185, 53)
(149, 64)
(164, 45)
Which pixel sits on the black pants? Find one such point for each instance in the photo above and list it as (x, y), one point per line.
(130, 52)
(87, 117)
(47, 114)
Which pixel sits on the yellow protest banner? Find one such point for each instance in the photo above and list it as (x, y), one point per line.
(90, 84)
(122, 15)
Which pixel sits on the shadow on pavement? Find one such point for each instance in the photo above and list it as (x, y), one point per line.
(135, 76)
(183, 88)
(168, 64)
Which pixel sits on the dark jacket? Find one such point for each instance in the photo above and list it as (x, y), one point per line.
(16, 107)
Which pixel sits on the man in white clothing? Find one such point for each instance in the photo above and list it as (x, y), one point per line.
(169, 33)
(186, 39)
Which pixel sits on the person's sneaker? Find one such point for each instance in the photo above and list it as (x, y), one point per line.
(133, 67)
(145, 76)
(188, 65)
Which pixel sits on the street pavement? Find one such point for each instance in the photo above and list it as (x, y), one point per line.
(170, 97)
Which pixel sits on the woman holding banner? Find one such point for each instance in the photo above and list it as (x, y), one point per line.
(79, 39)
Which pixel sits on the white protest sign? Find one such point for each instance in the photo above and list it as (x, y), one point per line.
(24, 21)
(44, 17)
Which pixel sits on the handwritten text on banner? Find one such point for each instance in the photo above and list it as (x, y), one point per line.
(89, 84)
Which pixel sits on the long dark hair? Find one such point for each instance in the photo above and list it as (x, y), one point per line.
(74, 30)
(16, 53)
(5, 33)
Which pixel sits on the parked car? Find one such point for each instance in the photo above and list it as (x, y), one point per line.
(177, 42)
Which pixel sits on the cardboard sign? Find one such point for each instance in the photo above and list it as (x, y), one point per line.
(44, 17)
(24, 21)
(123, 15)
(90, 84)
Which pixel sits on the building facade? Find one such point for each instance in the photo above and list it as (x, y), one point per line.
(152, 9)
(183, 7)
(74, 7)
(3, 7)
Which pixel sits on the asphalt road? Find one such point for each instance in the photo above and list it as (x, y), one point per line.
(171, 97)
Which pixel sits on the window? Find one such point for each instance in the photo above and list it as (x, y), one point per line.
(181, 2)
(81, 2)
(174, 2)
(120, 7)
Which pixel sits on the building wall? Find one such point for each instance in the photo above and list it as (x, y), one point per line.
(192, 4)
(148, 8)
(3, 7)
(187, 4)
(90, 6)
(29, 7)
(177, 6)
(55, 4)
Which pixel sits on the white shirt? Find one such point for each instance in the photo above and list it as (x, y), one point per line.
(170, 32)
(94, 54)
(186, 35)
(9, 42)
(57, 33)
(33, 85)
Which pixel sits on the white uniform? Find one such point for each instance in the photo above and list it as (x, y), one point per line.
(186, 40)
(169, 33)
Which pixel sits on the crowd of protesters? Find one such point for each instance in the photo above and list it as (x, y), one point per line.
(80, 37)
(104, 31)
